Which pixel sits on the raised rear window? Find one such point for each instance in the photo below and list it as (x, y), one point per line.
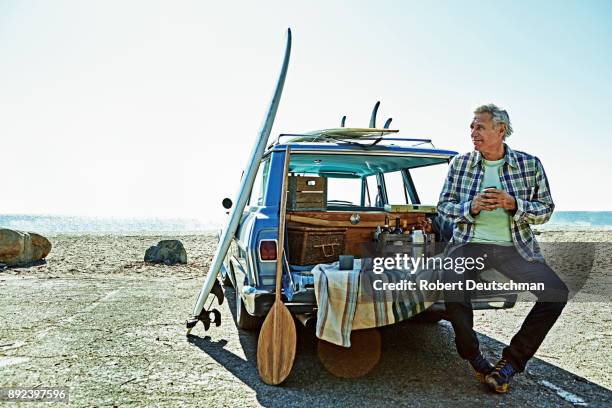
(369, 181)
(359, 165)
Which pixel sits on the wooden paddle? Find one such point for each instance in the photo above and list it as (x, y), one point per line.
(277, 338)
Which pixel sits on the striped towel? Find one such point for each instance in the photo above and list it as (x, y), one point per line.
(337, 294)
(346, 299)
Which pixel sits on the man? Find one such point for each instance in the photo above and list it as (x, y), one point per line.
(493, 194)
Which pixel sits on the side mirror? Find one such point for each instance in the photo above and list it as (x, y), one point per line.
(227, 203)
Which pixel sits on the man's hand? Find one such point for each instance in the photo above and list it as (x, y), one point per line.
(425, 224)
(479, 204)
(493, 198)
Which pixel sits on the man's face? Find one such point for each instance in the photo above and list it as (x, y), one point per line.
(485, 136)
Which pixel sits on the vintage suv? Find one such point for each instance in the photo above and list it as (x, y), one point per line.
(361, 174)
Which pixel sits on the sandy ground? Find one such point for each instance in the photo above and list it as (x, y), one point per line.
(96, 319)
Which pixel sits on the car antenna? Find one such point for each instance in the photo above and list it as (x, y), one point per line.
(373, 117)
(343, 121)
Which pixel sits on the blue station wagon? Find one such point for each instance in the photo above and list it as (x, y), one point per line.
(342, 189)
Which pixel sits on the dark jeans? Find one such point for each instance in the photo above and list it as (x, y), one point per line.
(538, 322)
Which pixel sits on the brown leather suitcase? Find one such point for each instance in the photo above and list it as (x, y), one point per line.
(309, 246)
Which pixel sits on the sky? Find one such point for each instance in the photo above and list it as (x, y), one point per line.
(150, 109)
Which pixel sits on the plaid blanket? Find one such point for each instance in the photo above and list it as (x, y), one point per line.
(346, 299)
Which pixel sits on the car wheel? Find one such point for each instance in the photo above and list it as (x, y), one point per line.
(244, 320)
(428, 317)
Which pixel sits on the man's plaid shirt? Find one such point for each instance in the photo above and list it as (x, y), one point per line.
(522, 176)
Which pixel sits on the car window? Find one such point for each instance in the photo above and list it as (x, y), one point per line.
(371, 192)
(396, 192)
(258, 192)
(428, 182)
(343, 191)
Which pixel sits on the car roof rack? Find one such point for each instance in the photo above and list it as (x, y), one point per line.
(361, 141)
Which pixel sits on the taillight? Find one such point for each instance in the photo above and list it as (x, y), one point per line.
(267, 250)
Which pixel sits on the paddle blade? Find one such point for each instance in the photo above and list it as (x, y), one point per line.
(276, 345)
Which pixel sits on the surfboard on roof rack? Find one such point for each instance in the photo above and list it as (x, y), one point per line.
(364, 137)
(353, 132)
(337, 134)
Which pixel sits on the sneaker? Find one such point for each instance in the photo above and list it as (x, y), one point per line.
(499, 379)
(482, 367)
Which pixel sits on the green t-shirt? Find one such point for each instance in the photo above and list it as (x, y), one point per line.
(492, 227)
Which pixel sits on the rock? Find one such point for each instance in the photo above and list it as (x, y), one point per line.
(22, 248)
(40, 246)
(168, 252)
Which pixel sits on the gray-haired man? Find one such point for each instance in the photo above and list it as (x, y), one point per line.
(493, 194)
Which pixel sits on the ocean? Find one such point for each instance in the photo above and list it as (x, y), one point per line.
(580, 219)
(54, 224)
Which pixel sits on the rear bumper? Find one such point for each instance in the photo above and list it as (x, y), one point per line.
(258, 302)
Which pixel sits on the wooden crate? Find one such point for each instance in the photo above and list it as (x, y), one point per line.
(394, 239)
(411, 208)
(309, 245)
(307, 193)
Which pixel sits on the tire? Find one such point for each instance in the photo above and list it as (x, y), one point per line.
(244, 320)
(428, 317)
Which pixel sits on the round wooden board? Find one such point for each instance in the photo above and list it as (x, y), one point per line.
(355, 361)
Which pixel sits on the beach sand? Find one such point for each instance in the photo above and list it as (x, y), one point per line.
(100, 254)
(129, 318)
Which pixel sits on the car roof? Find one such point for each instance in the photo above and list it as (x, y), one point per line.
(416, 150)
